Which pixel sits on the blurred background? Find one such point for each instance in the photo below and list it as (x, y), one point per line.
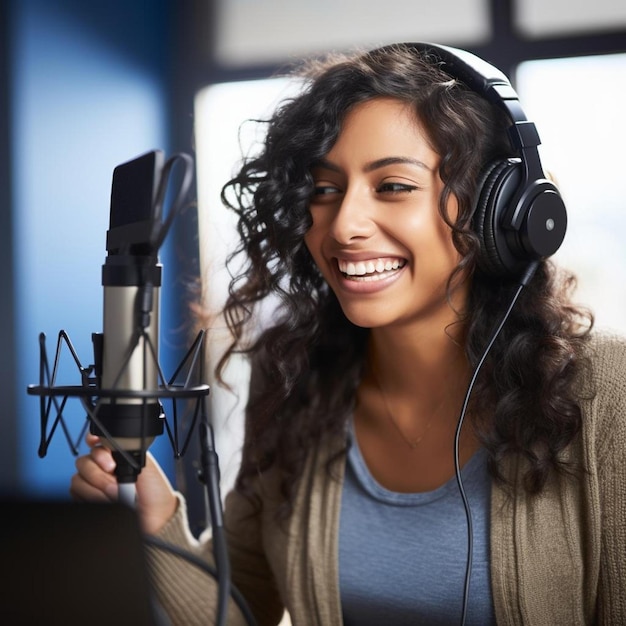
(87, 85)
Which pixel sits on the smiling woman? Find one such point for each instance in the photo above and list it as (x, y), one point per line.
(398, 212)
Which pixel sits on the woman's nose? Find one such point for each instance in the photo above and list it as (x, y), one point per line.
(353, 219)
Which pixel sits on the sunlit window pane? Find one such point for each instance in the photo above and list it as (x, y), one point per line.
(225, 131)
(578, 106)
(275, 31)
(538, 18)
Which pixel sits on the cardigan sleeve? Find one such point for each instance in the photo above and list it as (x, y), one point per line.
(189, 596)
(186, 594)
(610, 449)
(569, 542)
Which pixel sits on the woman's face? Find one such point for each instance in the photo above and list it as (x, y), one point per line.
(377, 235)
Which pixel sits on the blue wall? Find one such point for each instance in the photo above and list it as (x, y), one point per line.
(88, 90)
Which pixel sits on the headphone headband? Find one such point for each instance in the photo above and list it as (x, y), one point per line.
(475, 72)
(489, 82)
(519, 216)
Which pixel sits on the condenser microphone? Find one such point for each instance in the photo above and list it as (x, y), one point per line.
(123, 388)
(129, 414)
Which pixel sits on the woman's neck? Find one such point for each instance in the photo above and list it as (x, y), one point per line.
(408, 406)
(408, 362)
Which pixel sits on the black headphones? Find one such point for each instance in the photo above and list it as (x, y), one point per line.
(520, 216)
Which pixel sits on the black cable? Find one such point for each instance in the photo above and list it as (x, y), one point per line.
(210, 476)
(220, 554)
(161, 227)
(528, 274)
(202, 565)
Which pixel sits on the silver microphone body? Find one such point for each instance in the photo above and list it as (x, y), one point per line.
(129, 414)
(127, 362)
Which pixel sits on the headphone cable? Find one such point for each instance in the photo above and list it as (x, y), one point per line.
(524, 280)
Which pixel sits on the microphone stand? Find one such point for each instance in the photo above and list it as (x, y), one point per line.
(97, 397)
(209, 475)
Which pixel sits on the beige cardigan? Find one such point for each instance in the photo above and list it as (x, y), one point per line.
(556, 559)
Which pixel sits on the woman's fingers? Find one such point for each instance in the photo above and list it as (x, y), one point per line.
(103, 458)
(94, 479)
(82, 491)
(92, 440)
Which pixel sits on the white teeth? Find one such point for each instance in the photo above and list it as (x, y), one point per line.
(370, 268)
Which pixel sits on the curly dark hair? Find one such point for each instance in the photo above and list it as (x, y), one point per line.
(308, 361)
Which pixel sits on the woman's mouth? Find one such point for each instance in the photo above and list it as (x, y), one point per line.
(370, 270)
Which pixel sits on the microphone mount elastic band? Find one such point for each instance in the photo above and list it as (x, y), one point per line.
(54, 398)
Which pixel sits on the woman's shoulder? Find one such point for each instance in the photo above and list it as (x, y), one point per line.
(605, 352)
(603, 387)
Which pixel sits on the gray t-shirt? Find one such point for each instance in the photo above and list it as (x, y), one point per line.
(402, 556)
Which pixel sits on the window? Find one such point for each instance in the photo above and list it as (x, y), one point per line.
(250, 32)
(577, 105)
(226, 130)
(538, 18)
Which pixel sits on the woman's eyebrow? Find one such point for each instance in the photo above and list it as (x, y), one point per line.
(373, 165)
(395, 160)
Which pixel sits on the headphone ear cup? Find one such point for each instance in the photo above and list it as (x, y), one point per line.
(495, 258)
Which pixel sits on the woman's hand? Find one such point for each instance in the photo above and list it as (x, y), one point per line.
(95, 481)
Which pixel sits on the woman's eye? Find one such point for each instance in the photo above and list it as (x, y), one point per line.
(391, 187)
(324, 190)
